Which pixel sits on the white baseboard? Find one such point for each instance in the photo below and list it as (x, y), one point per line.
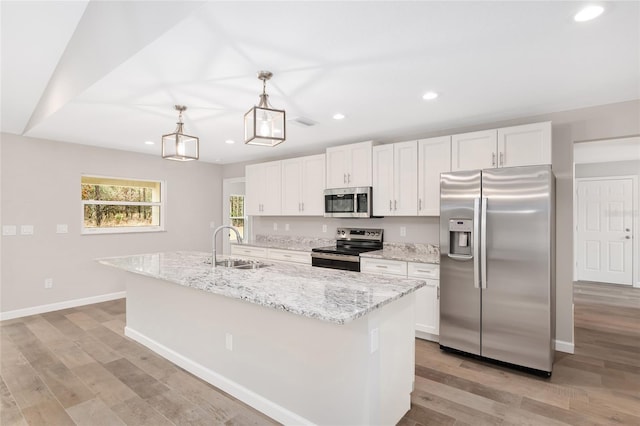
(562, 346)
(245, 395)
(25, 312)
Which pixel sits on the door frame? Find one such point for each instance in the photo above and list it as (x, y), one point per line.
(226, 192)
(635, 247)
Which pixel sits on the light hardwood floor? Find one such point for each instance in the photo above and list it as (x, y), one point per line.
(76, 367)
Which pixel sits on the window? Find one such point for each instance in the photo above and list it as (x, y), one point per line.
(236, 215)
(113, 205)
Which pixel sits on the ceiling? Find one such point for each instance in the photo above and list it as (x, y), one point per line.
(109, 73)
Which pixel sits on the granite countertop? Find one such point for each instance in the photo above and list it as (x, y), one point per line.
(324, 294)
(286, 242)
(408, 252)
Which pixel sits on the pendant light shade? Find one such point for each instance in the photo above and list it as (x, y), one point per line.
(178, 146)
(264, 125)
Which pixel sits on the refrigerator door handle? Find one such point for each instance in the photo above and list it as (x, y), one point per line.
(476, 243)
(483, 244)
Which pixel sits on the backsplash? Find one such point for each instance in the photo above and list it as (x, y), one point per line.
(424, 230)
(291, 242)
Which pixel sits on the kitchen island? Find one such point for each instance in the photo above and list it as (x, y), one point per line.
(304, 345)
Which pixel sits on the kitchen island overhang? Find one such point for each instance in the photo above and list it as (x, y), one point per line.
(313, 346)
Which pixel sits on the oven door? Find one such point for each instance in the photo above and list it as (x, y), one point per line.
(336, 261)
(347, 202)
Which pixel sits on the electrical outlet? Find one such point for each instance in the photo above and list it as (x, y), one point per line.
(9, 230)
(228, 341)
(48, 282)
(403, 231)
(286, 227)
(26, 229)
(275, 226)
(62, 228)
(324, 228)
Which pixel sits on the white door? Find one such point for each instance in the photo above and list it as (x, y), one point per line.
(605, 218)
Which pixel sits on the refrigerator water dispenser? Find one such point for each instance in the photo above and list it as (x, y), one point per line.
(460, 237)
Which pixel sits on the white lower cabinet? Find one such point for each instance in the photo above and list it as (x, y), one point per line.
(383, 266)
(248, 251)
(271, 253)
(427, 298)
(289, 256)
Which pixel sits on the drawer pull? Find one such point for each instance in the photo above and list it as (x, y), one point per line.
(381, 266)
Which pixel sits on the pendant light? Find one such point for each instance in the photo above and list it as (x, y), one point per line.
(178, 146)
(264, 125)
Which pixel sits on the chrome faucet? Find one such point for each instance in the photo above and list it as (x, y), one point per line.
(215, 233)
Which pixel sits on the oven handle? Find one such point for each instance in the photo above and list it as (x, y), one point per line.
(332, 256)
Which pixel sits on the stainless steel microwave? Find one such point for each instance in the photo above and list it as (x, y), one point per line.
(348, 202)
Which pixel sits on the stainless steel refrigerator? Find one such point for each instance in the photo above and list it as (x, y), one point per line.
(497, 265)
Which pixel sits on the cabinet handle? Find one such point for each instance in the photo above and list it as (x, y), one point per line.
(381, 266)
(438, 292)
(502, 158)
(493, 158)
(344, 178)
(302, 206)
(419, 203)
(390, 205)
(286, 255)
(395, 204)
(348, 177)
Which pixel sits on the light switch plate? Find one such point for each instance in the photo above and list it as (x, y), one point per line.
(62, 228)
(324, 228)
(403, 231)
(9, 230)
(26, 229)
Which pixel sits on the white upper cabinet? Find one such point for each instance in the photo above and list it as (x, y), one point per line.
(477, 150)
(525, 145)
(263, 189)
(395, 187)
(434, 157)
(349, 165)
(303, 181)
(383, 180)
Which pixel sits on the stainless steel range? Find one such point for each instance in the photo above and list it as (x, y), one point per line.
(350, 242)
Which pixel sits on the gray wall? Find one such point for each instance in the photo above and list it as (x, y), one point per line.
(41, 186)
(599, 122)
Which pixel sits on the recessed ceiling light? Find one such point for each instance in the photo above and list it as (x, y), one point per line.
(429, 96)
(338, 116)
(229, 141)
(588, 13)
(149, 143)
